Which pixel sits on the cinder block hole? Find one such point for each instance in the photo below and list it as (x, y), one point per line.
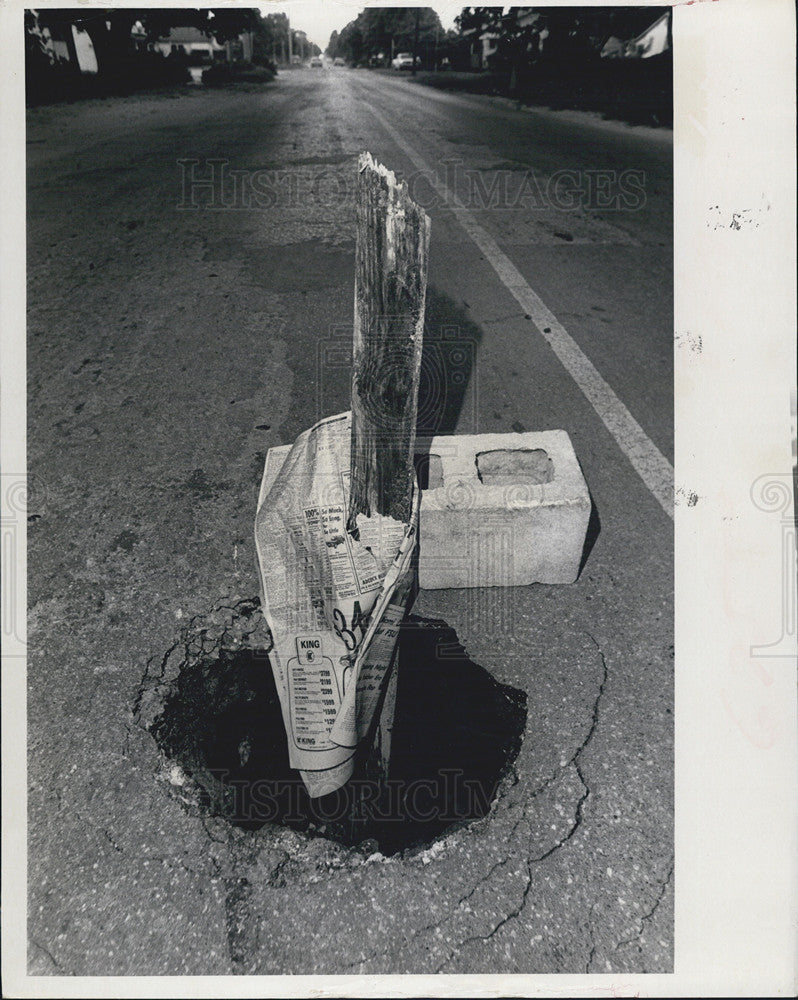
(456, 733)
(532, 466)
(429, 469)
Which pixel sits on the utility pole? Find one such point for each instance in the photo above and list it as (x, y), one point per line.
(415, 41)
(290, 46)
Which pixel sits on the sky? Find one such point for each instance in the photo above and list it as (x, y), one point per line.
(319, 18)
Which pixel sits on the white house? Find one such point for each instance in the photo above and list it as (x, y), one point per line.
(489, 42)
(189, 41)
(65, 43)
(84, 50)
(655, 40)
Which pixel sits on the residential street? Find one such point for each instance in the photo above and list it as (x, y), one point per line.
(183, 319)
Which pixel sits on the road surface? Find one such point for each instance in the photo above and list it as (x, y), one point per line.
(191, 264)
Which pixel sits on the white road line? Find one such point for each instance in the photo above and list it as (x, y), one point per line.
(647, 460)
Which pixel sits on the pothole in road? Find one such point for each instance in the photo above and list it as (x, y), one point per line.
(213, 708)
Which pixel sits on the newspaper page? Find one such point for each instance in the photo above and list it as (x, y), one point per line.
(333, 603)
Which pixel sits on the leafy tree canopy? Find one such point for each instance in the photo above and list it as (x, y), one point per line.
(384, 30)
(595, 24)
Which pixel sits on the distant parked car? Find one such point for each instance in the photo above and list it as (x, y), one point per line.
(316, 62)
(404, 61)
(339, 61)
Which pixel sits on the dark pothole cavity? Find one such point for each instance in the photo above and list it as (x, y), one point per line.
(456, 733)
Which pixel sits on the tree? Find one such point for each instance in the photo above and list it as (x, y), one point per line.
(332, 45)
(275, 27)
(478, 19)
(385, 31)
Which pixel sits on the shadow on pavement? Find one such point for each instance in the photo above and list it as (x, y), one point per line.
(447, 388)
(592, 533)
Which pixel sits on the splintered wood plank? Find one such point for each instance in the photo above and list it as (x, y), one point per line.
(391, 255)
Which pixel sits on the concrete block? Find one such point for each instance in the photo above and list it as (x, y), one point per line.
(498, 510)
(502, 510)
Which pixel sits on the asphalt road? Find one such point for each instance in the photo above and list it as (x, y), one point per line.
(176, 332)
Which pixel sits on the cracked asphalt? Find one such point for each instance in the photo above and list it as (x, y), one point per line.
(169, 347)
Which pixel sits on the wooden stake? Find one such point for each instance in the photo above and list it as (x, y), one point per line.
(391, 254)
